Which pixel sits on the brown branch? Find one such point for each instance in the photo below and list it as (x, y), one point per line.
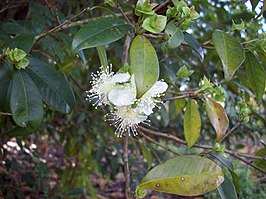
(124, 15)
(50, 9)
(126, 168)
(162, 6)
(76, 83)
(2, 113)
(38, 37)
(187, 95)
(125, 50)
(171, 137)
(231, 130)
(157, 143)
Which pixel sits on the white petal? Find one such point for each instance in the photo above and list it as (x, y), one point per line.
(120, 78)
(122, 97)
(158, 88)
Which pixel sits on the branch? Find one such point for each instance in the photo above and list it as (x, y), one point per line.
(157, 143)
(231, 130)
(124, 14)
(186, 95)
(38, 37)
(2, 113)
(232, 153)
(126, 168)
(125, 49)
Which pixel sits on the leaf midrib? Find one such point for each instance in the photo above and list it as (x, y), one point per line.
(49, 85)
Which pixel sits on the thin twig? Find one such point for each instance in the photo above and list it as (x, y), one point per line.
(76, 83)
(38, 37)
(126, 168)
(157, 143)
(124, 15)
(2, 113)
(188, 95)
(171, 137)
(125, 50)
(231, 130)
(50, 9)
(163, 5)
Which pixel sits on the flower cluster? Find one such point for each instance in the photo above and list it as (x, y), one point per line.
(119, 90)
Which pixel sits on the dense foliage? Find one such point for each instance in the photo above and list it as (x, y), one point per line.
(187, 84)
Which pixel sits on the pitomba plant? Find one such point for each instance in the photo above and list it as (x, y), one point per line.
(134, 92)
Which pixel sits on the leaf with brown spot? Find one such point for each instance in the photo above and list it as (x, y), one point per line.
(217, 117)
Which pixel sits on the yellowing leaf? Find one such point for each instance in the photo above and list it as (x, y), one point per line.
(187, 175)
(192, 123)
(217, 117)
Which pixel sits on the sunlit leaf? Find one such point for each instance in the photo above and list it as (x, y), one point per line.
(187, 175)
(155, 24)
(192, 123)
(217, 117)
(230, 51)
(144, 62)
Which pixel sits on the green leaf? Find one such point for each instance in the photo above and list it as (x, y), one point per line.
(24, 42)
(179, 105)
(102, 55)
(144, 62)
(194, 44)
(255, 75)
(227, 189)
(217, 117)
(53, 86)
(187, 175)
(25, 101)
(5, 79)
(228, 164)
(100, 32)
(184, 73)
(146, 153)
(192, 123)
(155, 24)
(143, 8)
(176, 36)
(230, 52)
(261, 163)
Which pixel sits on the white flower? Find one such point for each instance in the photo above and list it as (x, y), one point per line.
(126, 120)
(102, 83)
(148, 101)
(124, 95)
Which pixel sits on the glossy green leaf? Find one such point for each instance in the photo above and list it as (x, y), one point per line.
(194, 44)
(155, 24)
(100, 32)
(230, 52)
(144, 62)
(261, 163)
(227, 189)
(192, 123)
(25, 100)
(187, 175)
(143, 8)
(255, 75)
(53, 86)
(176, 36)
(217, 117)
